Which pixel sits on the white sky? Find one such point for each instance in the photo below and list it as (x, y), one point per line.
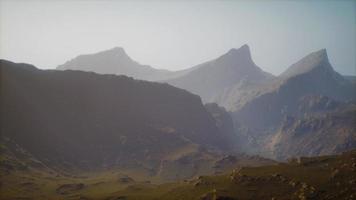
(179, 34)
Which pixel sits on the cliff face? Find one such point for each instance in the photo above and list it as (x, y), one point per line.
(318, 134)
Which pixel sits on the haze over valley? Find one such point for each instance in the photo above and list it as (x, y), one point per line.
(101, 125)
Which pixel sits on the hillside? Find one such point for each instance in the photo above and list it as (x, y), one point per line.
(328, 177)
(312, 75)
(317, 178)
(23, 176)
(307, 88)
(73, 120)
(324, 133)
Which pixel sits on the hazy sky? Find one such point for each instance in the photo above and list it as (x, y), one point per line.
(179, 34)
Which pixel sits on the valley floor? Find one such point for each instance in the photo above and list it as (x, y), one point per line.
(326, 177)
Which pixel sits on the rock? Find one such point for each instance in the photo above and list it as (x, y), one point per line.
(334, 173)
(354, 165)
(125, 180)
(69, 188)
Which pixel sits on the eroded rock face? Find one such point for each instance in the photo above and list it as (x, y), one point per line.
(321, 134)
(302, 98)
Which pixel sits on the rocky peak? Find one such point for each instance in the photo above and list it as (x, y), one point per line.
(116, 52)
(242, 53)
(317, 60)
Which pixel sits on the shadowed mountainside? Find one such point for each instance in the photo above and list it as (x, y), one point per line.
(84, 120)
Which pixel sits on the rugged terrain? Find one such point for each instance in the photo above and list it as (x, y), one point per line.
(88, 131)
(259, 103)
(76, 120)
(326, 177)
(312, 94)
(327, 127)
(24, 176)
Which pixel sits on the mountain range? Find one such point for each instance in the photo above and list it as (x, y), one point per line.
(103, 126)
(212, 79)
(257, 101)
(115, 61)
(106, 130)
(263, 111)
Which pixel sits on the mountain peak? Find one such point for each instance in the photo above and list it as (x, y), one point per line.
(243, 50)
(116, 55)
(322, 52)
(241, 54)
(320, 55)
(245, 47)
(117, 49)
(115, 52)
(315, 60)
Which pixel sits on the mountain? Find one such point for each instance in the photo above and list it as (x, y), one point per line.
(325, 133)
(312, 75)
(73, 120)
(224, 123)
(351, 78)
(305, 92)
(325, 177)
(20, 171)
(212, 79)
(115, 61)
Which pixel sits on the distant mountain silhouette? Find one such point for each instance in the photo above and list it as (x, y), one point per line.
(82, 120)
(212, 79)
(115, 61)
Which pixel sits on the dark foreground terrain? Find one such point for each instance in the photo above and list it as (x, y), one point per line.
(326, 177)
